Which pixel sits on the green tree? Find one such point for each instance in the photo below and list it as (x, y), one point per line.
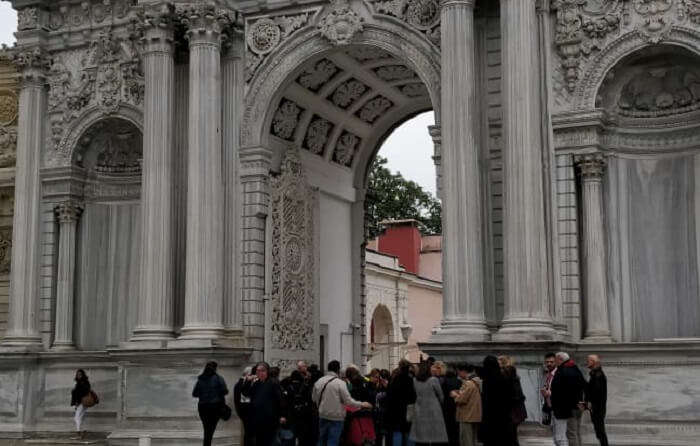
(392, 197)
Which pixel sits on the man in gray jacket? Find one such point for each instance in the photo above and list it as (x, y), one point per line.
(331, 396)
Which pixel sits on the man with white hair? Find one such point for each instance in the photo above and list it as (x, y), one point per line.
(567, 395)
(596, 397)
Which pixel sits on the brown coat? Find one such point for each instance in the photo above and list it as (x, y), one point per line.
(469, 402)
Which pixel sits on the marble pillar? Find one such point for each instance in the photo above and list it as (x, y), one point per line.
(233, 80)
(527, 305)
(591, 169)
(463, 285)
(204, 287)
(156, 303)
(67, 214)
(23, 317)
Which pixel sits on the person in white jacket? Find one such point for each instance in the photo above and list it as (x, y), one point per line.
(331, 396)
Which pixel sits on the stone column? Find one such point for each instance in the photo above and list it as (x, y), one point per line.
(463, 283)
(23, 318)
(68, 214)
(527, 306)
(591, 170)
(204, 288)
(156, 310)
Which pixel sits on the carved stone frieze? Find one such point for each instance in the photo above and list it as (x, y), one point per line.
(340, 23)
(656, 17)
(348, 92)
(106, 75)
(8, 146)
(27, 18)
(265, 34)
(317, 76)
(395, 73)
(285, 120)
(8, 107)
(345, 149)
(293, 317)
(374, 109)
(660, 92)
(5, 250)
(111, 147)
(88, 14)
(423, 15)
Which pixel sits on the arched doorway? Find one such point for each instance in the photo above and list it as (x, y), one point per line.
(381, 350)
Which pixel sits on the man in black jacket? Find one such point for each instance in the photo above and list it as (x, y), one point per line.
(567, 394)
(596, 397)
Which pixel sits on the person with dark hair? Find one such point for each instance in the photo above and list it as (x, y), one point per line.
(379, 381)
(496, 404)
(331, 396)
(210, 390)
(314, 373)
(81, 390)
(359, 423)
(518, 412)
(297, 408)
(596, 397)
(428, 425)
(399, 395)
(449, 383)
(468, 402)
(265, 405)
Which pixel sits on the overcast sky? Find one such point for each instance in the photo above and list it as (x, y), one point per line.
(408, 149)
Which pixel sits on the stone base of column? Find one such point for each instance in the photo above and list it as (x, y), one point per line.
(202, 332)
(63, 347)
(16, 342)
(144, 334)
(460, 331)
(515, 330)
(597, 339)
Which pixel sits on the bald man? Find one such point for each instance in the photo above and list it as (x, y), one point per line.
(596, 397)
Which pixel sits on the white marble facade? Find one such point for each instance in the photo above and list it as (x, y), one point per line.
(155, 225)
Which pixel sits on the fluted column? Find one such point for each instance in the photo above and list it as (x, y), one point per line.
(23, 319)
(463, 274)
(597, 323)
(527, 306)
(204, 286)
(67, 214)
(156, 311)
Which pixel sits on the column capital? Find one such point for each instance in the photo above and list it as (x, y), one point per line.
(205, 23)
(68, 211)
(457, 3)
(591, 166)
(32, 64)
(158, 24)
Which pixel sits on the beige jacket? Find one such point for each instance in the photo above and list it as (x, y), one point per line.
(335, 398)
(469, 401)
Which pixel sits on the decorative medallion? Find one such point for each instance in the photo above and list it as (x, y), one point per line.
(341, 23)
(655, 18)
(8, 107)
(317, 135)
(263, 36)
(423, 14)
(348, 92)
(374, 109)
(314, 78)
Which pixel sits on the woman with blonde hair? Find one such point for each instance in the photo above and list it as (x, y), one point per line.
(518, 413)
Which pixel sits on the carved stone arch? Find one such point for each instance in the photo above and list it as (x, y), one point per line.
(281, 67)
(600, 65)
(64, 154)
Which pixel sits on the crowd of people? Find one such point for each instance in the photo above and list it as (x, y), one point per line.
(428, 403)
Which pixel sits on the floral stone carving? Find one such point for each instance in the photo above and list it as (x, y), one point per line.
(5, 250)
(341, 23)
(348, 92)
(423, 15)
(345, 149)
(285, 121)
(317, 135)
(374, 109)
(293, 317)
(313, 79)
(8, 107)
(660, 92)
(8, 146)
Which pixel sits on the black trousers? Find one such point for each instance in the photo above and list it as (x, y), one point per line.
(598, 421)
(209, 414)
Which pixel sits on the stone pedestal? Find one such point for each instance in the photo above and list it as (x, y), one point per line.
(156, 311)
(597, 323)
(68, 214)
(527, 304)
(463, 286)
(23, 317)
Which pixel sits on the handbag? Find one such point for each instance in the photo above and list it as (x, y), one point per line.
(225, 412)
(90, 399)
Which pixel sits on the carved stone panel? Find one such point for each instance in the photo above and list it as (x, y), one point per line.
(292, 311)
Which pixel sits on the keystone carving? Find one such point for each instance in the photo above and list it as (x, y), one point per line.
(341, 23)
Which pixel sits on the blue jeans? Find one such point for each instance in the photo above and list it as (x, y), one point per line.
(399, 438)
(329, 432)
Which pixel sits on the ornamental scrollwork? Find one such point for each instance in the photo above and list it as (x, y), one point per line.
(8, 107)
(107, 75)
(340, 23)
(293, 299)
(8, 146)
(423, 15)
(265, 34)
(5, 250)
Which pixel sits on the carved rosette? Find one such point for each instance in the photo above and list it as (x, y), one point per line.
(340, 24)
(591, 167)
(423, 15)
(68, 211)
(293, 298)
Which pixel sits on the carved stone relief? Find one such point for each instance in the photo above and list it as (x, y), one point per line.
(345, 149)
(5, 250)
(423, 15)
(113, 147)
(106, 75)
(88, 14)
(285, 120)
(340, 23)
(374, 109)
(8, 146)
(292, 316)
(348, 92)
(317, 135)
(317, 76)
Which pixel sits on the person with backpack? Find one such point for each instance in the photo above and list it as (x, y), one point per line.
(297, 408)
(331, 396)
(210, 390)
(468, 402)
